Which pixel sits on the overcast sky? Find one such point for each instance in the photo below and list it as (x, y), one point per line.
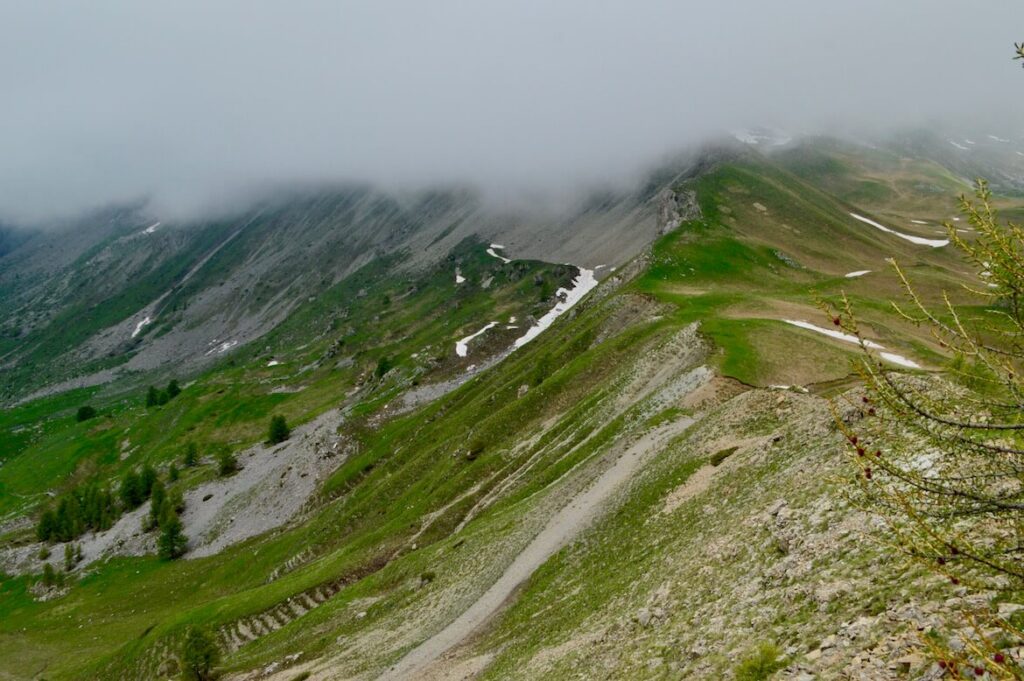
(190, 101)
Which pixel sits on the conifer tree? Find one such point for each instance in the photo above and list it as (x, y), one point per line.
(147, 479)
(158, 496)
(172, 541)
(941, 460)
(279, 431)
(191, 457)
(49, 575)
(199, 655)
(131, 490)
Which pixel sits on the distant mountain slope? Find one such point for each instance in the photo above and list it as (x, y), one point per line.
(121, 292)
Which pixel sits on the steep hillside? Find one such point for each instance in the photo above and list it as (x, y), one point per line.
(123, 292)
(650, 487)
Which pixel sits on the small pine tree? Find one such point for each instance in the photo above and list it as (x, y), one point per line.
(162, 398)
(69, 557)
(157, 498)
(172, 541)
(47, 527)
(152, 397)
(44, 552)
(173, 389)
(199, 655)
(147, 479)
(49, 575)
(85, 412)
(131, 490)
(191, 457)
(173, 474)
(226, 463)
(279, 431)
(176, 501)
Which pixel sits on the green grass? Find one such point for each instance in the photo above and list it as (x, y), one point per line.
(723, 271)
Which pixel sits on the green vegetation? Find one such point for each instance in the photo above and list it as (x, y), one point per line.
(721, 455)
(172, 542)
(278, 431)
(199, 655)
(961, 514)
(50, 576)
(488, 459)
(227, 463)
(191, 457)
(85, 412)
(86, 507)
(761, 664)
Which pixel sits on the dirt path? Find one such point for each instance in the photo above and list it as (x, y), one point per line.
(562, 528)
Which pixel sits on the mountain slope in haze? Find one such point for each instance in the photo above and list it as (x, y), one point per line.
(121, 293)
(650, 488)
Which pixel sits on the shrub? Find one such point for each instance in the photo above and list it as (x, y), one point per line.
(199, 655)
(147, 479)
(476, 448)
(85, 412)
(172, 541)
(173, 389)
(721, 455)
(279, 431)
(44, 552)
(50, 576)
(226, 463)
(71, 557)
(383, 366)
(156, 507)
(131, 490)
(761, 664)
(173, 474)
(191, 457)
(152, 397)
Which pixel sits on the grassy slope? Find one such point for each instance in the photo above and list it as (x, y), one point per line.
(728, 271)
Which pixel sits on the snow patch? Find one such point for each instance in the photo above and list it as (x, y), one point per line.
(581, 285)
(839, 335)
(934, 243)
(223, 347)
(998, 139)
(854, 275)
(138, 327)
(759, 136)
(959, 146)
(458, 276)
(273, 363)
(493, 254)
(462, 346)
(919, 222)
(152, 228)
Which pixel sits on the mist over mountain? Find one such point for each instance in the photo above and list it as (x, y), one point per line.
(398, 341)
(192, 105)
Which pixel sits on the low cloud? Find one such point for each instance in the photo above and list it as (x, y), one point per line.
(190, 102)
